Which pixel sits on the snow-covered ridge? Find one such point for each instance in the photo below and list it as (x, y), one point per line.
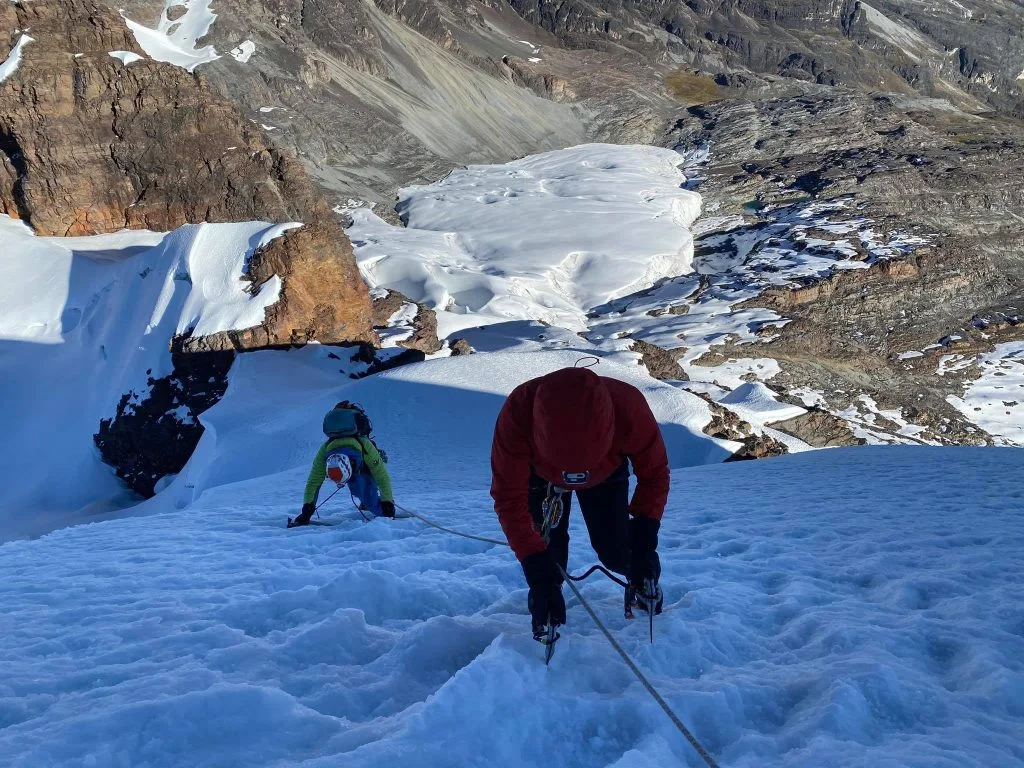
(87, 320)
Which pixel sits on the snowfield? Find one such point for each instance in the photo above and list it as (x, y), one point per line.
(545, 238)
(844, 608)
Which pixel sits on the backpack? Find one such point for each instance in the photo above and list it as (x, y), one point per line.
(347, 420)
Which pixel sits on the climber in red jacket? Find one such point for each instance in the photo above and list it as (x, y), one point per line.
(574, 431)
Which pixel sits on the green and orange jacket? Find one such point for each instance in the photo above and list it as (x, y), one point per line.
(371, 460)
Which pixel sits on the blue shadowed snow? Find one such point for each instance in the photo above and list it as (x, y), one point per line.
(838, 608)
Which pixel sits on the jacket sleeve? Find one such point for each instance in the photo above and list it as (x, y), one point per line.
(510, 470)
(378, 470)
(317, 473)
(650, 463)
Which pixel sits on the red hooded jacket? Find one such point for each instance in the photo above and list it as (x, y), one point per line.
(574, 429)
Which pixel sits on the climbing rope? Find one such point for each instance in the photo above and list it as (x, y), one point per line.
(687, 734)
(640, 675)
(317, 510)
(432, 524)
(592, 570)
(359, 509)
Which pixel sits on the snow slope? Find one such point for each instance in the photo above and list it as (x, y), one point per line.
(843, 608)
(428, 416)
(87, 320)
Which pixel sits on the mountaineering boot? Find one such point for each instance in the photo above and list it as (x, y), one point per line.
(546, 612)
(649, 597)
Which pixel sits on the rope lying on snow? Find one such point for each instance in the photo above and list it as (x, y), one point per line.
(687, 734)
(640, 675)
(432, 524)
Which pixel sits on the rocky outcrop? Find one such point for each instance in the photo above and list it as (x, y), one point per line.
(421, 328)
(660, 363)
(726, 425)
(461, 347)
(820, 429)
(152, 147)
(90, 145)
(154, 434)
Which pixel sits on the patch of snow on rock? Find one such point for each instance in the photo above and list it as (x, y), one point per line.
(174, 42)
(126, 57)
(243, 52)
(995, 400)
(10, 64)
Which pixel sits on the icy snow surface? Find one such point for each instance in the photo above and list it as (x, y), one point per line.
(840, 608)
(86, 320)
(10, 64)
(174, 42)
(543, 238)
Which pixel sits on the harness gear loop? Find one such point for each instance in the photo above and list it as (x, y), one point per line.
(551, 511)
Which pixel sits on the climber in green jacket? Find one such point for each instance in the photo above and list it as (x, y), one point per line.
(349, 457)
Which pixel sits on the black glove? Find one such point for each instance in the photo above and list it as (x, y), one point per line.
(387, 509)
(643, 545)
(307, 512)
(546, 604)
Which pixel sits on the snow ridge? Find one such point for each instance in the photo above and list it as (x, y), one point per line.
(106, 307)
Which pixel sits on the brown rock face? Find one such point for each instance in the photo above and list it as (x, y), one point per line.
(423, 327)
(820, 429)
(319, 303)
(89, 145)
(661, 363)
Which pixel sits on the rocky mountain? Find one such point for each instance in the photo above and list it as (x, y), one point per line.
(857, 163)
(95, 139)
(373, 96)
